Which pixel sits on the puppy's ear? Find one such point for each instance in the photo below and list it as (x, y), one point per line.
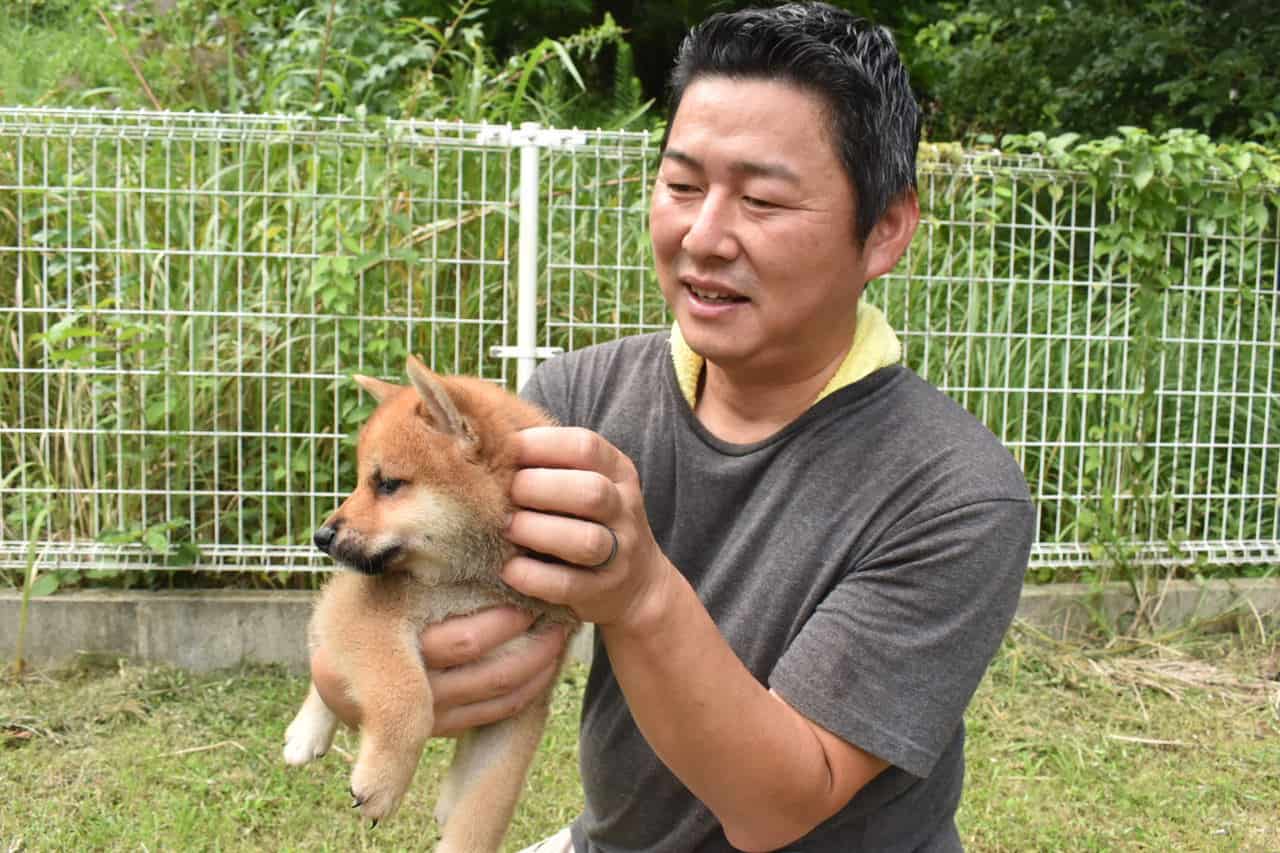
(436, 402)
(376, 387)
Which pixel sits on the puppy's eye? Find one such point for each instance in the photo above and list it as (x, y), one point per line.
(387, 486)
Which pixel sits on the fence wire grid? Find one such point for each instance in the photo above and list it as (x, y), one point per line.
(185, 297)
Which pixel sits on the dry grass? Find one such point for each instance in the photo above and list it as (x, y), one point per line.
(1143, 746)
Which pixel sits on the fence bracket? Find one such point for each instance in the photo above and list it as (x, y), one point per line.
(524, 352)
(531, 133)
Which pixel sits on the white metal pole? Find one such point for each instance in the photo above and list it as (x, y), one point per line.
(527, 262)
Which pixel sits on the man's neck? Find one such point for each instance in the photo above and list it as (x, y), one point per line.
(745, 406)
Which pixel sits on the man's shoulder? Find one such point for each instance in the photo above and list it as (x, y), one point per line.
(629, 349)
(921, 427)
(579, 386)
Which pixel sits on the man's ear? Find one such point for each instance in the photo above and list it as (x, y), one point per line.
(378, 389)
(891, 235)
(436, 402)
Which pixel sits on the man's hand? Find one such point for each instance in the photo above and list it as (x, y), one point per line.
(576, 494)
(469, 685)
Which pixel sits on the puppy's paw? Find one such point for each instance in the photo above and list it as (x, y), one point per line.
(308, 737)
(378, 785)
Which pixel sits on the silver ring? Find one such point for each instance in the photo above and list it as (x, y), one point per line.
(613, 552)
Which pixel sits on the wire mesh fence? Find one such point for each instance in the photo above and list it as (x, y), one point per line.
(185, 297)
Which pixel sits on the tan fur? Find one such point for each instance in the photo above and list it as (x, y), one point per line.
(436, 544)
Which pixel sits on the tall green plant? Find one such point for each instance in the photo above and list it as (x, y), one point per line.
(1157, 188)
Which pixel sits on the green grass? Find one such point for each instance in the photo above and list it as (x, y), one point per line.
(57, 63)
(132, 757)
(1161, 748)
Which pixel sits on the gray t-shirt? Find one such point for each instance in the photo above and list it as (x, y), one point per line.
(864, 562)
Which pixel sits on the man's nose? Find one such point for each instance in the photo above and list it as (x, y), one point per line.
(711, 234)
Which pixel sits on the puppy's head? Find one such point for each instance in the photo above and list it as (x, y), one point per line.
(432, 490)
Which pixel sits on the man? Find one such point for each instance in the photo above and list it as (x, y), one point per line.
(804, 555)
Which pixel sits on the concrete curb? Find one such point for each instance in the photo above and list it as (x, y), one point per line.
(208, 630)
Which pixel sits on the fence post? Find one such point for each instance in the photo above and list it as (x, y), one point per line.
(527, 257)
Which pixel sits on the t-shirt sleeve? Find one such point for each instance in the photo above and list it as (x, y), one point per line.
(546, 389)
(891, 657)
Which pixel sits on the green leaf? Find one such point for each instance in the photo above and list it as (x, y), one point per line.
(45, 585)
(568, 64)
(1059, 144)
(1087, 521)
(156, 411)
(73, 354)
(156, 540)
(185, 554)
(118, 537)
(367, 261)
(1143, 171)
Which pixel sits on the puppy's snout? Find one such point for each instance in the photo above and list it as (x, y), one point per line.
(324, 538)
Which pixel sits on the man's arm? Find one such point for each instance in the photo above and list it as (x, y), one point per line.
(769, 774)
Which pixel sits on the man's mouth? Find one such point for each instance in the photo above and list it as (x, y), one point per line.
(713, 296)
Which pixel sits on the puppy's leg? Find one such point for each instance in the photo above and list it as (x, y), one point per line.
(311, 732)
(451, 788)
(395, 703)
(486, 778)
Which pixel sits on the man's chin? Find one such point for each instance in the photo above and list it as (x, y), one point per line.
(716, 345)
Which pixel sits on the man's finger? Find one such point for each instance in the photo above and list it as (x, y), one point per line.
(582, 493)
(456, 720)
(573, 540)
(570, 447)
(500, 674)
(468, 638)
(552, 582)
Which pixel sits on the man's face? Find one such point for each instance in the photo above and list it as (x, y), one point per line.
(752, 222)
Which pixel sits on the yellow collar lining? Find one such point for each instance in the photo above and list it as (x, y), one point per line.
(875, 345)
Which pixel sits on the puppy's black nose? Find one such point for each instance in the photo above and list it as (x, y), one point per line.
(324, 538)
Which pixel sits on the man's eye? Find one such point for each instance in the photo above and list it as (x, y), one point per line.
(681, 188)
(758, 203)
(387, 487)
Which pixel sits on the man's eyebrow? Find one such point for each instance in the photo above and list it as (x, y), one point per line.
(752, 168)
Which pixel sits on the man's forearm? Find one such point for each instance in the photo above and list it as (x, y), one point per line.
(751, 758)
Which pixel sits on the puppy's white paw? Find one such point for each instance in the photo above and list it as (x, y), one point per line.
(310, 734)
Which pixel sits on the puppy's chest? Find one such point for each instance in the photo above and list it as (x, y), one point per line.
(438, 602)
(445, 600)
(403, 598)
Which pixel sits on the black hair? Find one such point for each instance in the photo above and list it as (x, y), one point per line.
(848, 62)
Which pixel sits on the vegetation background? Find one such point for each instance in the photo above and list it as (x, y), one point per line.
(1132, 746)
(982, 68)
(1167, 111)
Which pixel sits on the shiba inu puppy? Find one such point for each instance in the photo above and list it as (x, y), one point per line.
(422, 536)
